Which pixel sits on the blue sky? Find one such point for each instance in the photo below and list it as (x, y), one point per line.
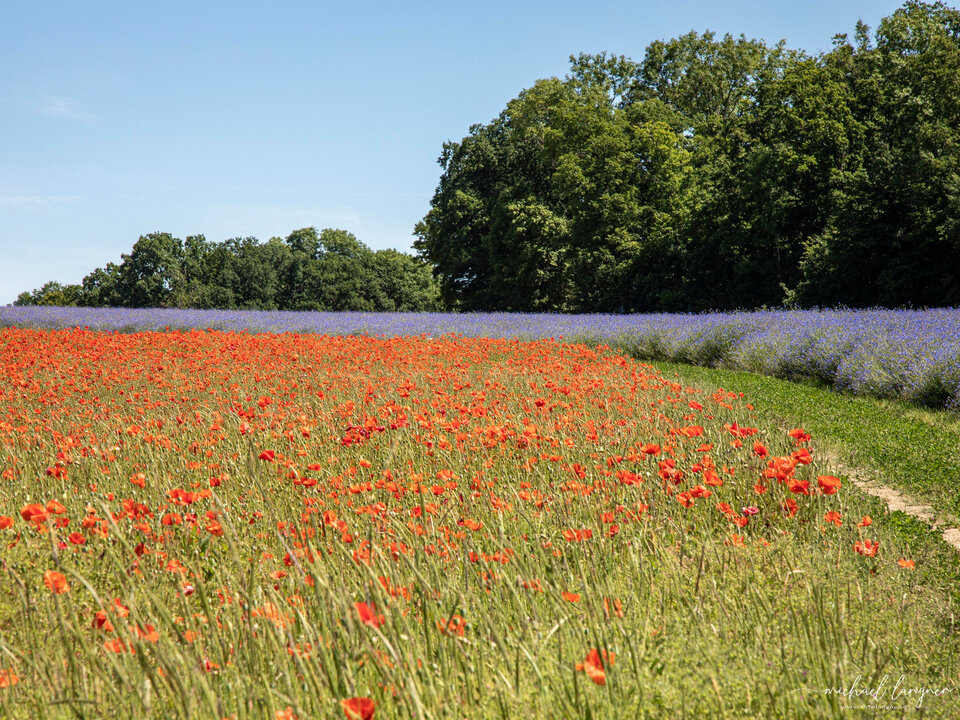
(248, 118)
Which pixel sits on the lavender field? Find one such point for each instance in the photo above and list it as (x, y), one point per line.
(911, 355)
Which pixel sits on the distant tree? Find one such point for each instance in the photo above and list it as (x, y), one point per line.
(306, 242)
(309, 270)
(255, 278)
(152, 273)
(51, 293)
(341, 274)
(404, 283)
(100, 287)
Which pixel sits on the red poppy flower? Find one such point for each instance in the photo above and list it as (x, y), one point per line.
(595, 665)
(828, 484)
(368, 615)
(358, 708)
(34, 513)
(8, 678)
(56, 582)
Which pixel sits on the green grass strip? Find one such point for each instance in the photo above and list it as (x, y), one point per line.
(914, 450)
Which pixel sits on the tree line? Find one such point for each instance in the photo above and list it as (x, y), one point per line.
(715, 173)
(308, 270)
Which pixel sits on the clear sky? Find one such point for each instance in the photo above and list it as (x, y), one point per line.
(256, 118)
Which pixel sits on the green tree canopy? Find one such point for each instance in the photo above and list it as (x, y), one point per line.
(308, 270)
(715, 173)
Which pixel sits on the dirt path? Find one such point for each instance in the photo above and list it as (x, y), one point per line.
(897, 501)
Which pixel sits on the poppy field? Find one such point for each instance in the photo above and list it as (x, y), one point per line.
(905, 355)
(235, 525)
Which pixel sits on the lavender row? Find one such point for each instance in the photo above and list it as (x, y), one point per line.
(904, 354)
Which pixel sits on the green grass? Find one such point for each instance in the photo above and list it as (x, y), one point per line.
(912, 449)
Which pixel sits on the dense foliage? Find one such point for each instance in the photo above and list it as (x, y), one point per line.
(329, 270)
(715, 173)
